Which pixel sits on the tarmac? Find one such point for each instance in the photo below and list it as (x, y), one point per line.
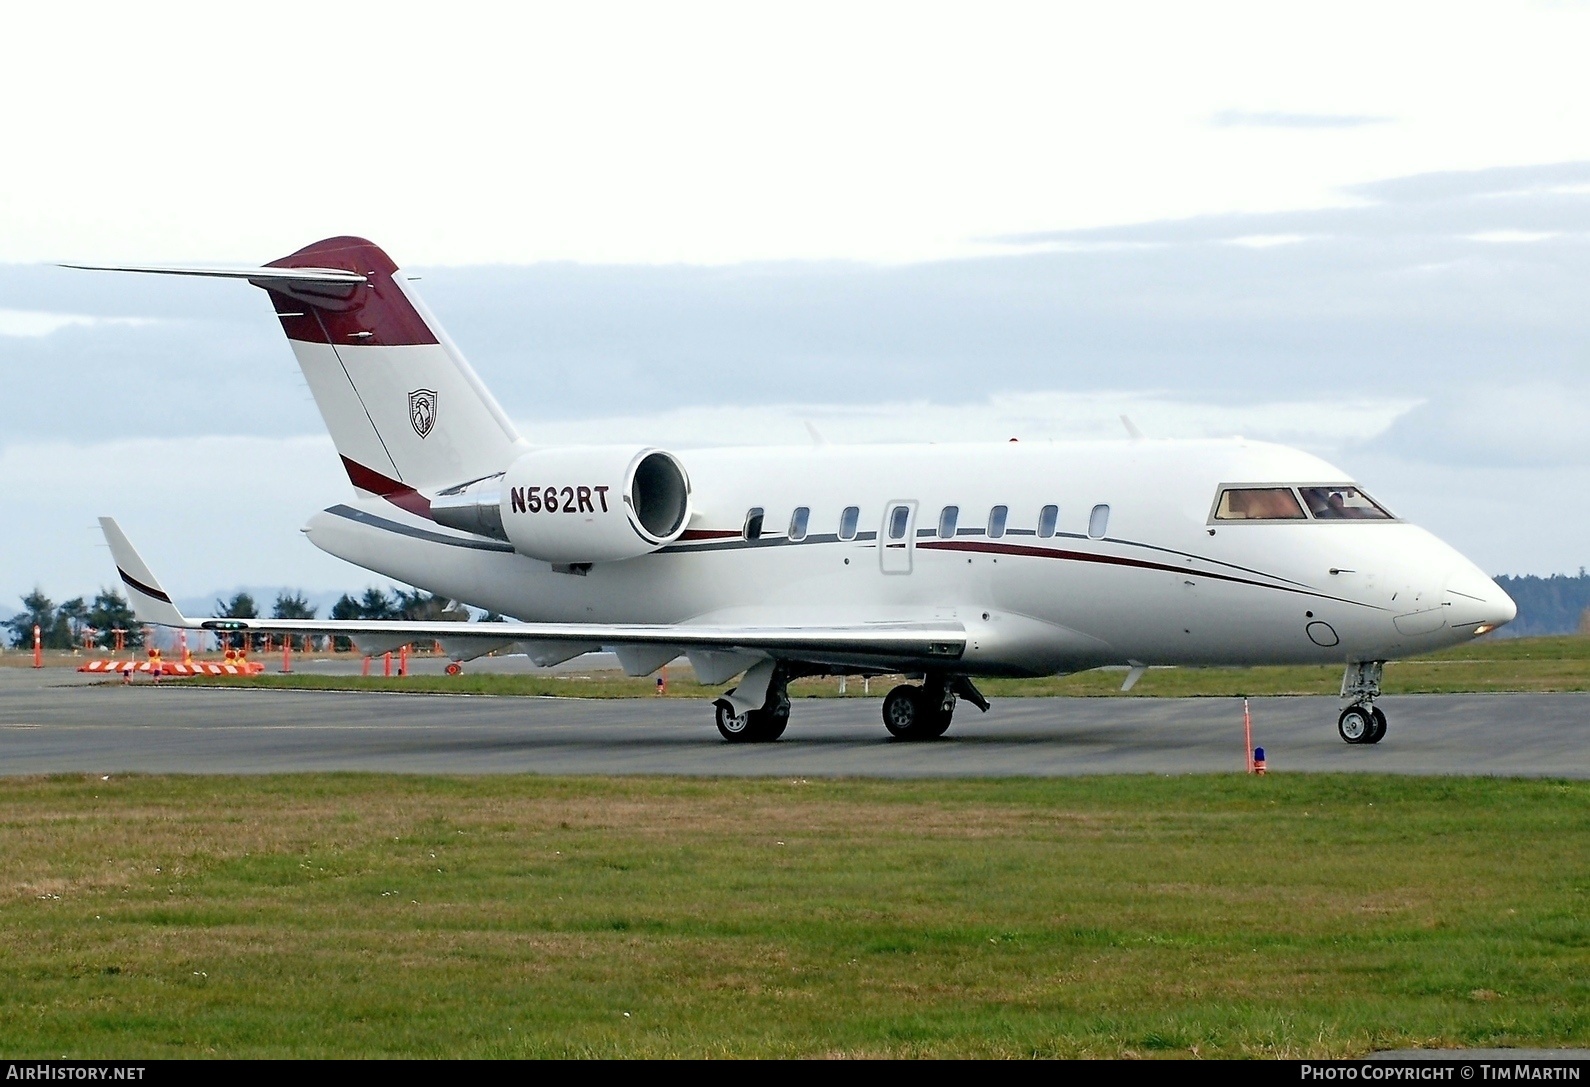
(56, 721)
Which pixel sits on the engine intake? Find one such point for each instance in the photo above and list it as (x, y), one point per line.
(582, 504)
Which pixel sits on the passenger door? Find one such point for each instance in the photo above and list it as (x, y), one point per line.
(897, 537)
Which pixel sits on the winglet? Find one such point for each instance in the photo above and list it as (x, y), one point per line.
(149, 601)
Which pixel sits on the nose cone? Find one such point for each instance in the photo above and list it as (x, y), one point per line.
(1474, 602)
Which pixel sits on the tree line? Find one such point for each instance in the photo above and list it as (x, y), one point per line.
(64, 626)
(1559, 604)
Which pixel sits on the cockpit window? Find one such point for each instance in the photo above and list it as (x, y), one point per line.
(1343, 504)
(1259, 504)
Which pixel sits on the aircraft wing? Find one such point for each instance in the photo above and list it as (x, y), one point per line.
(856, 643)
(881, 644)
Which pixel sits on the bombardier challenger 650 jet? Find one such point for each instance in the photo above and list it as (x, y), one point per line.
(946, 562)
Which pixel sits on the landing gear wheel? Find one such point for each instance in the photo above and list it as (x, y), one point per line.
(906, 718)
(1380, 726)
(772, 726)
(750, 727)
(1356, 725)
(901, 711)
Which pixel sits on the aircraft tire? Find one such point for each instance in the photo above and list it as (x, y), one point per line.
(1356, 725)
(750, 727)
(906, 719)
(737, 728)
(1379, 734)
(773, 726)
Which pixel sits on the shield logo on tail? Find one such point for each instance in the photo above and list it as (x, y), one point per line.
(422, 410)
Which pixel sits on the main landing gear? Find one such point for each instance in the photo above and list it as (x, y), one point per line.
(759, 726)
(924, 713)
(1361, 721)
(910, 712)
(752, 726)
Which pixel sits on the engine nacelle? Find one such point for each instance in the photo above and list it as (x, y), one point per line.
(594, 503)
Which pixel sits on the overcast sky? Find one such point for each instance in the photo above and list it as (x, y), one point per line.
(1364, 229)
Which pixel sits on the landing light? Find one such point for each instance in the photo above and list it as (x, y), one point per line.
(1484, 628)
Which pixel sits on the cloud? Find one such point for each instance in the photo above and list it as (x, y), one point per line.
(1323, 426)
(1507, 519)
(1535, 179)
(1512, 237)
(1448, 206)
(205, 512)
(36, 323)
(1266, 241)
(1434, 324)
(1391, 298)
(1243, 118)
(1520, 425)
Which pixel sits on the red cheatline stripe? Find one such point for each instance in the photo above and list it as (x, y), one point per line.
(399, 494)
(1083, 556)
(708, 534)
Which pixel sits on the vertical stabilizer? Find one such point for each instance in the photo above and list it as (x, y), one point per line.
(404, 408)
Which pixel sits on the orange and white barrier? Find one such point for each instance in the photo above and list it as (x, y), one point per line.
(176, 669)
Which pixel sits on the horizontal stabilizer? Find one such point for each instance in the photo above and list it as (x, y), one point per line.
(260, 277)
(418, 418)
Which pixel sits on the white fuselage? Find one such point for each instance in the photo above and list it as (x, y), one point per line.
(1163, 583)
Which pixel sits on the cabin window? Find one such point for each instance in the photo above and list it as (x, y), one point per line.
(797, 522)
(947, 520)
(753, 523)
(996, 521)
(897, 522)
(1099, 521)
(1048, 518)
(1343, 504)
(1259, 504)
(848, 521)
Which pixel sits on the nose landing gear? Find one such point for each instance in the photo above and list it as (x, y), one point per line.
(1362, 724)
(1361, 721)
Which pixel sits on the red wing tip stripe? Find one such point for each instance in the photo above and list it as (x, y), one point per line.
(148, 590)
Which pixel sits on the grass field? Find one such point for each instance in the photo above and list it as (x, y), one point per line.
(1516, 664)
(375, 916)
